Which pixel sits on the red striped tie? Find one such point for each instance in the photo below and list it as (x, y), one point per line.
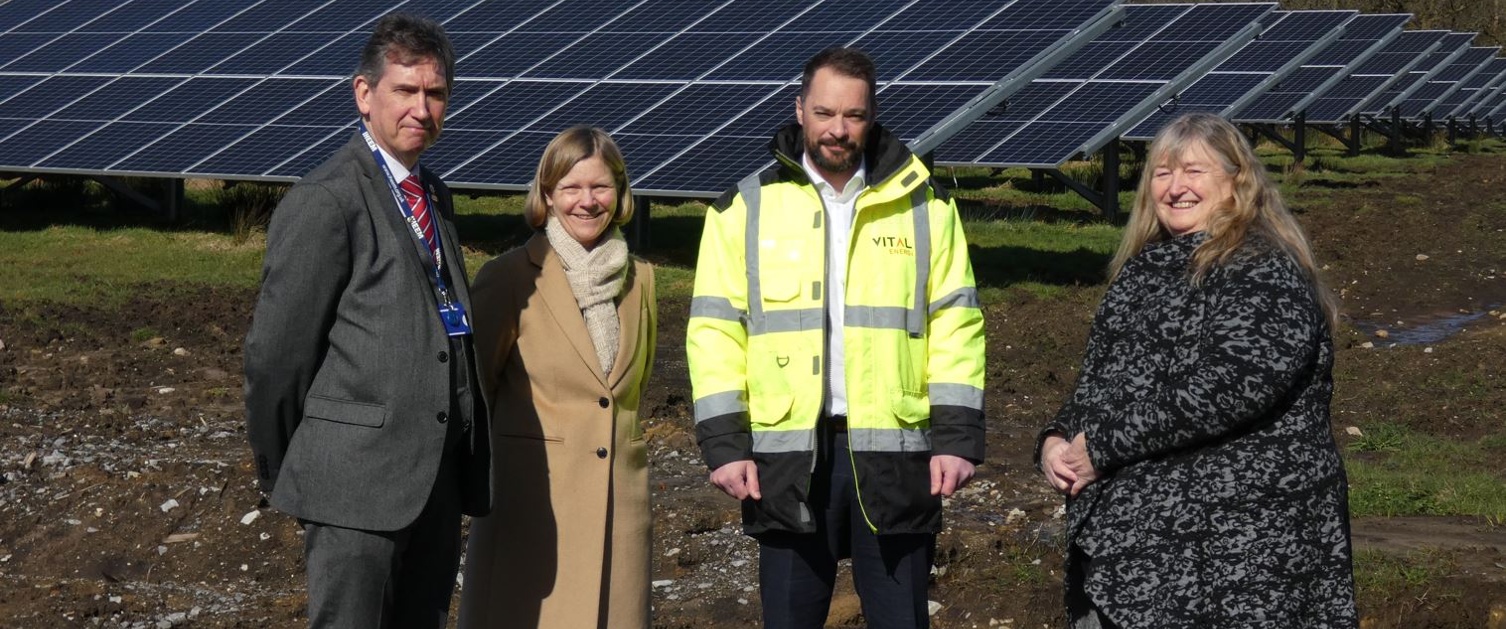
(420, 204)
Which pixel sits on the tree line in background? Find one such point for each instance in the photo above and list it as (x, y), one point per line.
(1486, 17)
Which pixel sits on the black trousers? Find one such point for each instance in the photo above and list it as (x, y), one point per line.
(797, 571)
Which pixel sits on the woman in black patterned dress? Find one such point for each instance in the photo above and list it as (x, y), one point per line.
(1204, 488)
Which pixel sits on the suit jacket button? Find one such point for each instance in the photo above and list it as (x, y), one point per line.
(601, 453)
(442, 417)
(444, 357)
(604, 402)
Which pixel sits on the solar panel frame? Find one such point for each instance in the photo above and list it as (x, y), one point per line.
(1308, 31)
(1364, 36)
(1040, 140)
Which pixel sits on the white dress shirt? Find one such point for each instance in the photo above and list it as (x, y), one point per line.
(840, 207)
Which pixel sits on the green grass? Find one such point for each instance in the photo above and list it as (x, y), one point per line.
(1394, 471)
(1380, 575)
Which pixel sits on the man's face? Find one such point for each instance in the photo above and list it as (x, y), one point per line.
(405, 109)
(835, 116)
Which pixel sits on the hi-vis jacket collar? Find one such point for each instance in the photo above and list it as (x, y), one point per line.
(887, 157)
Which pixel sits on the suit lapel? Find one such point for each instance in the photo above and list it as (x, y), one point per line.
(379, 199)
(560, 301)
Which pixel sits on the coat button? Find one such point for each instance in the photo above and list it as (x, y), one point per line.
(444, 357)
(604, 402)
(441, 417)
(601, 453)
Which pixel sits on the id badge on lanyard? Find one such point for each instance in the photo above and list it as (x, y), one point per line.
(451, 312)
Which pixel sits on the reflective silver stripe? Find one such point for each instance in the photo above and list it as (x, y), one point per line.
(916, 324)
(960, 298)
(889, 439)
(750, 190)
(885, 317)
(774, 441)
(787, 321)
(716, 308)
(719, 404)
(951, 394)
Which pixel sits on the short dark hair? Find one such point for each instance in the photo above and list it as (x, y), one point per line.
(406, 39)
(849, 62)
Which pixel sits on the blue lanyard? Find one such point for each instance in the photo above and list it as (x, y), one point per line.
(407, 210)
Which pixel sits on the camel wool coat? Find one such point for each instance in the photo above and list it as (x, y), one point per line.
(568, 543)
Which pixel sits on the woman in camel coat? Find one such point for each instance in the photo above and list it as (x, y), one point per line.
(565, 337)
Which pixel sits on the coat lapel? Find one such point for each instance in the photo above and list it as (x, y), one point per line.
(379, 199)
(560, 300)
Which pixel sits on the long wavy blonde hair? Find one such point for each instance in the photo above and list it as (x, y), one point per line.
(1255, 208)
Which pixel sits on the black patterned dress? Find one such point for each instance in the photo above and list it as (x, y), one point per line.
(1222, 500)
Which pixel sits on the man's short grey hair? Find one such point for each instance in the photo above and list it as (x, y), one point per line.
(406, 39)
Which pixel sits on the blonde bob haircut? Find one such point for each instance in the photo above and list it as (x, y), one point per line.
(567, 149)
(1255, 209)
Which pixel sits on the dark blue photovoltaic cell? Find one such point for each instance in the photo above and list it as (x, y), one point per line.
(457, 145)
(1357, 86)
(1043, 15)
(18, 11)
(658, 17)
(256, 16)
(1417, 74)
(1159, 61)
(61, 53)
(182, 148)
(775, 112)
(48, 96)
(1401, 52)
(196, 17)
(1032, 100)
(260, 151)
(515, 159)
(981, 55)
(197, 54)
(653, 149)
(307, 160)
(1090, 60)
(1341, 52)
(129, 53)
(12, 84)
(116, 98)
(572, 15)
(1474, 88)
(62, 19)
(1213, 22)
(713, 165)
(447, 10)
(341, 17)
(1143, 22)
(131, 16)
(605, 105)
(1307, 79)
(1264, 56)
(908, 108)
(1445, 82)
(1152, 124)
(274, 53)
(495, 17)
(16, 45)
(1222, 88)
(510, 55)
(1101, 102)
(954, 15)
(1373, 27)
(901, 50)
(1466, 65)
(31, 144)
(334, 107)
(701, 109)
(271, 95)
(1042, 143)
(685, 57)
(594, 56)
(187, 101)
(513, 106)
(1307, 25)
(337, 59)
(867, 12)
(107, 144)
(778, 57)
(1361, 38)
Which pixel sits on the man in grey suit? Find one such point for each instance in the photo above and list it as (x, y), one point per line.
(362, 403)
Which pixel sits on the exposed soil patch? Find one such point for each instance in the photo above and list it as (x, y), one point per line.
(127, 496)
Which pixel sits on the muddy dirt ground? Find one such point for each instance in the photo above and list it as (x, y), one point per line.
(127, 497)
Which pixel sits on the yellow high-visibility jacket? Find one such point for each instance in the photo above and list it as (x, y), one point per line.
(913, 337)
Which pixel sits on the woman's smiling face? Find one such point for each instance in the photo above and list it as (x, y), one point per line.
(585, 200)
(1189, 191)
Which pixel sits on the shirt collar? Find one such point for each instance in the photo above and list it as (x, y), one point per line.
(399, 171)
(854, 185)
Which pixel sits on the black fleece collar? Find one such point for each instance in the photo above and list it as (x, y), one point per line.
(884, 153)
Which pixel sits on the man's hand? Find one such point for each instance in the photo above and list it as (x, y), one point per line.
(1057, 473)
(739, 479)
(949, 474)
(1076, 459)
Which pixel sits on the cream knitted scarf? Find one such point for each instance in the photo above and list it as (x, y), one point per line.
(596, 277)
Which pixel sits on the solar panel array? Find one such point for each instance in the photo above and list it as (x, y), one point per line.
(692, 91)
(1363, 37)
(1088, 99)
(1291, 39)
(1449, 50)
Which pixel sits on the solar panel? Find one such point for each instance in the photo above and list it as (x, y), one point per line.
(1446, 82)
(1292, 38)
(1364, 36)
(1473, 90)
(692, 91)
(1448, 51)
(1112, 82)
(1380, 71)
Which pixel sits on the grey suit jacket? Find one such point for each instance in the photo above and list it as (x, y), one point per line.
(352, 386)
